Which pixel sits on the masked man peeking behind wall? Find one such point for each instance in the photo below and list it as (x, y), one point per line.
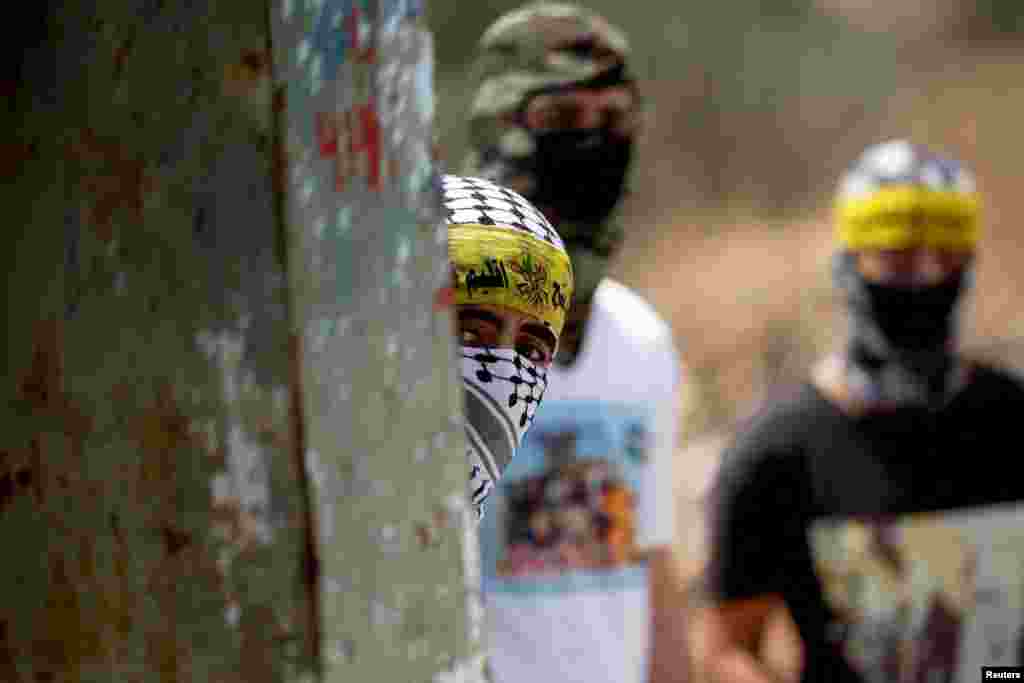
(513, 283)
(576, 556)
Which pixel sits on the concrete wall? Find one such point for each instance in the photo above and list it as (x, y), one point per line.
(230, 445)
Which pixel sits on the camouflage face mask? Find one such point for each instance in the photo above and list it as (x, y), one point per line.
(546, 48)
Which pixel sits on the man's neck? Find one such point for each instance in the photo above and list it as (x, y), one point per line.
(858, 390)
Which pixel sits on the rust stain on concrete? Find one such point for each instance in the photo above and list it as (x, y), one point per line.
(252, 69)
(61, 641)
(42, 385)
(160, 430)
(118, 600)
(121, 54)
(14, 156)
(233, 525)
(162, 644)
(260, 633)
(108, 476)
(42, 391)
(113, 180)
(15, 479)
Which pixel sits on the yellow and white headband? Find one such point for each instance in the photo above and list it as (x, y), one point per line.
(899, 195)
(505, 252)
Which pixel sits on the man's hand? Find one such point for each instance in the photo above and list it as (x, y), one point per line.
(731, 636)
(670, 660)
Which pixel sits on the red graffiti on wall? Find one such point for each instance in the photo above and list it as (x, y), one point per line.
(363, 51)
(353, 139)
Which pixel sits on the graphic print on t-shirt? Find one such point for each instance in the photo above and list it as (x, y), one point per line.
(563, 517)
(925, 597)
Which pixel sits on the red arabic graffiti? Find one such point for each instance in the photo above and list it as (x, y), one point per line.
(363, 53)
(352, 139)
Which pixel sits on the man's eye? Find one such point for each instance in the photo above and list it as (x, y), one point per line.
(534, 351)
(478, 333)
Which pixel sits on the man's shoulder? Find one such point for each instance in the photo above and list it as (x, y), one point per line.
(995, 379)
(782, 422)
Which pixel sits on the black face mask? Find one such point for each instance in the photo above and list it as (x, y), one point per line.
(913, 318)
(580, 174)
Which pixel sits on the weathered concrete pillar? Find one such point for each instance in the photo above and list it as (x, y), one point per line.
(230, 446)
(367, 257)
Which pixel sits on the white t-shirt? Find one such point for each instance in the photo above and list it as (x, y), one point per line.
(566, 592)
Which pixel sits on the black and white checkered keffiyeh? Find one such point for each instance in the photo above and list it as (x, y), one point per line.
(900, 162)
(502, 387)
(503, 390)
(475, 201)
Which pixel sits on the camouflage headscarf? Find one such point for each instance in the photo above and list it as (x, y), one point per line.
(541, 47)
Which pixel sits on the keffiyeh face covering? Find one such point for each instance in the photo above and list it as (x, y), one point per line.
(502, 391)
(503, 253)
(900, 196)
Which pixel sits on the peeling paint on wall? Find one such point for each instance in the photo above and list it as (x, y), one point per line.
(231, 444)
(146, 477)
(241, 491)
(368, 253)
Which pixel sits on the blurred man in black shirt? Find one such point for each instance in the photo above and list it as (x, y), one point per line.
(896, 424)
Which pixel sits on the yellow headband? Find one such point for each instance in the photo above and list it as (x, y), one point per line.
(905, 216)
(506, 267)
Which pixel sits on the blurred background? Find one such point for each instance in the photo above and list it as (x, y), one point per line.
(753, 109)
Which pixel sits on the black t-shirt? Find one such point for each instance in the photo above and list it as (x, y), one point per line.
(803, 460)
